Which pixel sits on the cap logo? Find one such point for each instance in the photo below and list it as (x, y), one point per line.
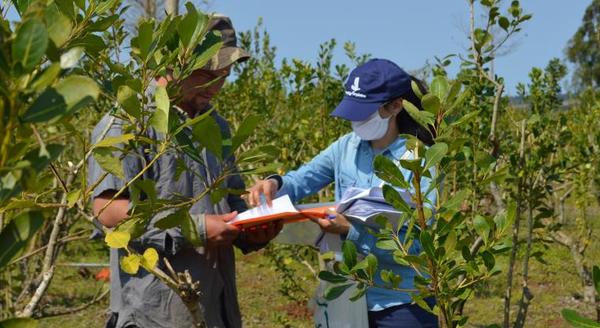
(355, 89)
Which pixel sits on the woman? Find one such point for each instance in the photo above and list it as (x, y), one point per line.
(373, 104)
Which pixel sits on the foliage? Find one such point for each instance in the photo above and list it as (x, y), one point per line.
(60, 59)
(584, 48)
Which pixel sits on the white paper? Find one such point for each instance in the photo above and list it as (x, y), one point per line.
(281, 204)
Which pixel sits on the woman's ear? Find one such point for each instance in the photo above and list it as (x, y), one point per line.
(397, 106)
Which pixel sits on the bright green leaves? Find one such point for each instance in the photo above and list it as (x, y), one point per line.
(439, 87)
(388, 171)
(70, 58)
(117, 239)
(208, 133)
(183, 220)
(192, 27)
(68, 96)
(59, 25)
(335, 291)
(160, 117)
(435, 154)
(108, 155)
(482, 227)
(349, 252)
(578, 321)
(424, 118)
(129, 101)
(30, 44)
(15, 236)
(144, 38)
(393, 197)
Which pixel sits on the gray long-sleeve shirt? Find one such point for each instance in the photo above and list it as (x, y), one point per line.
(143, 300)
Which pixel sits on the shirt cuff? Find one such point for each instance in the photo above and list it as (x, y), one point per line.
(200, 220)
(353, 234)
(277, 178)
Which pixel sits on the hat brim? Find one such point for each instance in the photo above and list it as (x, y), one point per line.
(227, 56)
(352, 110)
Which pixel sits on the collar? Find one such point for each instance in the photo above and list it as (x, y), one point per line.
(396, 148)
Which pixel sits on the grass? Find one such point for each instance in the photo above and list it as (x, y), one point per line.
(555, 285)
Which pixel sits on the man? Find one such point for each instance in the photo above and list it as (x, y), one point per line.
(142, 300)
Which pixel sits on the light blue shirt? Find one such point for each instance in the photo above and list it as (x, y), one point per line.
(349, 163)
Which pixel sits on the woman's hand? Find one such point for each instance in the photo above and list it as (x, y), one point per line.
(335, 223)
(266, 187)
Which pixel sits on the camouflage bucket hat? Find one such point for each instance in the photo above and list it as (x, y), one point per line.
(229, 53)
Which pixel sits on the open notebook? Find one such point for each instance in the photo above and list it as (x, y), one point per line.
(282, 209)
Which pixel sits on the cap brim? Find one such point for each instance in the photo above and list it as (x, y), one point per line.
(352, 110)
(226, 57)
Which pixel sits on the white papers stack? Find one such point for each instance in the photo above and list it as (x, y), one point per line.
(281, 204)
(364, 205)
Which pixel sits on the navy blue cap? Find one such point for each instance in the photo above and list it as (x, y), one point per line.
(369, 86)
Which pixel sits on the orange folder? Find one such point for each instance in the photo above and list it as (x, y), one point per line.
(286, 217)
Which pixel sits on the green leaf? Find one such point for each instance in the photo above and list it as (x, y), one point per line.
(189, 229)
(92, 43)
(72, 197)
(149, 259)
(59, 25)
(415, 88)
(30, 43)
(103, 24)
(488, 260)
(413, 165)
(208, 133)
(106, 5)
(389, 172)
(70, 58)
(427, 242)
(143, 41)
(434, 154)
(172, 220)
(17, 233)
(439, 86)
(349, 252)
(482, 227)
(393, 197)
(423, 118)
(596, 278)
(577, 320)
(431, 103)
(456, 200)
(504, 23)
(128, 99)
(209, 47)
(453, 93)
(191, 26)
(113, 141)
(387, 244)
(466, 118)
(109, 162)
(160, 117)
(117, 239)
(131, 263)
(21, 5)
(331, 277)
(358, 293)
(78, 91)
(333, 292)
(46, 78)
(46, 106)
(245, 130)
(19, 323)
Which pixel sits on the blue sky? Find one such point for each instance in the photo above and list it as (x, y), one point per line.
(407, 32)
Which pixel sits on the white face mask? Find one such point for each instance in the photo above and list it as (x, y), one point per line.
(373, 128)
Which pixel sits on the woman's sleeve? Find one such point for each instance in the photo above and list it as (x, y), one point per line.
(310, 177)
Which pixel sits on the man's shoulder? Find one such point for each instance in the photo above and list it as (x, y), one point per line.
(108, 126)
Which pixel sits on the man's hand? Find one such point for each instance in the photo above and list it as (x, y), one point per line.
(218, 232)
(337, 223)
(263, 234)
(266, 187)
